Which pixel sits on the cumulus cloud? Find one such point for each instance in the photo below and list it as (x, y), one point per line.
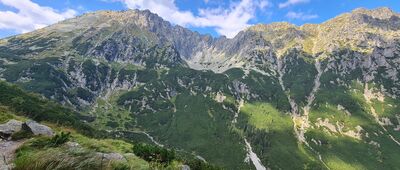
(300, 15)
(292, 2)
(30, 16)
(226, 21)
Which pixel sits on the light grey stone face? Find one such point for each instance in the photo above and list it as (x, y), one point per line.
(39, 129)
(9, 128)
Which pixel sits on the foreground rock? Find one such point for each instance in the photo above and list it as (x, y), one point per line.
(111, 156)
(9, 128)
(8, 147)
(15, 126)
(39, 129)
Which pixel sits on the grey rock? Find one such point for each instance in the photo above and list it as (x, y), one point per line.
(39, 129)
(185, 167)
(72, 144)
(241, 88)
(111, 156)
(7, 129)
(3, 163)
(114, 156)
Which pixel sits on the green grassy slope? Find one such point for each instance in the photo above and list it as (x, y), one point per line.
(41, 153)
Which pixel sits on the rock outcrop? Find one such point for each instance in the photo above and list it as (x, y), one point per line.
(38, 129)
(9, 128)
(8, 146)
(15, 126)
(112, 156)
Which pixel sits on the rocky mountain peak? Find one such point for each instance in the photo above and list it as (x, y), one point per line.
(272, 26)
(361, 30)
(381, 13)
(119, 32)
(369, 18)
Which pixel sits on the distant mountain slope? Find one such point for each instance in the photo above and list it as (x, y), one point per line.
(320, 96)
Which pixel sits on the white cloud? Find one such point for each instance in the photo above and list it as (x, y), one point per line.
(300, 15)
(263, 4)
(30, 16)
(226, 22)
(292, 2)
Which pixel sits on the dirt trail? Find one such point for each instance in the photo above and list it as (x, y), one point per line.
(7, 153)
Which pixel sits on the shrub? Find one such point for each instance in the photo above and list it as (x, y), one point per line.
(40, 142)
(55, 141)
(152, 153)
(200, 165)
(23, 134)
(59, 139)
(112, 124)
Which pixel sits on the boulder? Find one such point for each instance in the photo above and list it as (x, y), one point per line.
(9, 128)
(72, 144)
(111, 156)
(38, 129)
(114, 156)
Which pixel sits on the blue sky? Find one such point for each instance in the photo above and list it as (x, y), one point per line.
(215, 17)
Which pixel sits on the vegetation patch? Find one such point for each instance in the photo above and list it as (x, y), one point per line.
(270, 133)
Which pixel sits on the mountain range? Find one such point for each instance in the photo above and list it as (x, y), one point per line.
(276, 96)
